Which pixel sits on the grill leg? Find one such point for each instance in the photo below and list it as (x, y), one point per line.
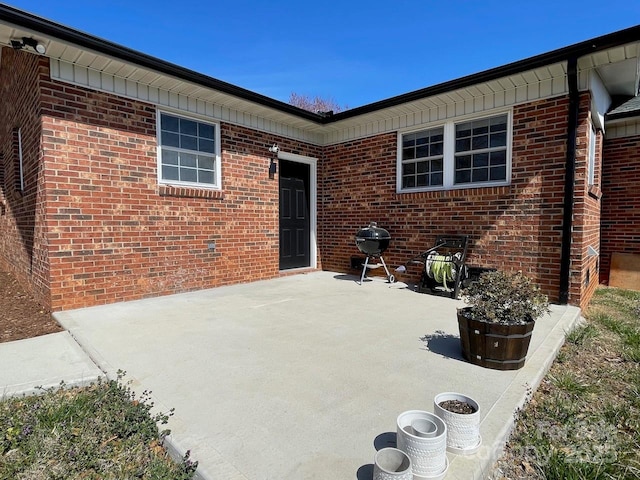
(364, 269)
(390, 277)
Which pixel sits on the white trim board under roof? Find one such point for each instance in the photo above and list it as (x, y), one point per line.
(83, 59)
(628, 127)
(164, 91)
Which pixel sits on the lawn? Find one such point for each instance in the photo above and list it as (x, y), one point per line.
(583, 422)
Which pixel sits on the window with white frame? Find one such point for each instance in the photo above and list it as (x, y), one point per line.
(188, 151)
(470, 153)
(592, 156)
(422, 155)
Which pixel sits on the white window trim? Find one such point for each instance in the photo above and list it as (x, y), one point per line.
(449, 153)
(217, 154)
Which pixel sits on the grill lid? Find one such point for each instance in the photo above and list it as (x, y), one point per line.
(373, 232)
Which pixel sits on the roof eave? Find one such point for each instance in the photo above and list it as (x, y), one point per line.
(577, 50)
(99, 45)
(622, 116)
(61, 32)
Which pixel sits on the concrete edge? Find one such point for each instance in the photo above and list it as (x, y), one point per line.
(177, 452)
(501, 418)
(70, 325)
(177, 443)
(28, 389)
(63, 341)
(175, 448)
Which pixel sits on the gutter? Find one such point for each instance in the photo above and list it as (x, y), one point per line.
(622, 116)
(76, 37)
(569, 179)
(604, 42)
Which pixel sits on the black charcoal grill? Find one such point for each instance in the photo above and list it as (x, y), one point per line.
(373, 241)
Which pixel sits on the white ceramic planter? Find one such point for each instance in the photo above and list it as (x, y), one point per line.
(463, 430)
(428, 454)
(392, 464)
(424, 428)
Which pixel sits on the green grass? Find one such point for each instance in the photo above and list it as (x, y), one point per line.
(625, 327)
(571, 385)
(97, 432)
(583, 423)
(582, 334)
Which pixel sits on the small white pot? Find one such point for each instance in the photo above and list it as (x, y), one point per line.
(425, 428)
(392, 464)
(428, 454)
(463, 430)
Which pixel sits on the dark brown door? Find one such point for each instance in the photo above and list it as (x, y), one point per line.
(295, 225)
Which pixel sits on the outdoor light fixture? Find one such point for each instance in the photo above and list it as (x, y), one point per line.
(273, 168)
(37, 46)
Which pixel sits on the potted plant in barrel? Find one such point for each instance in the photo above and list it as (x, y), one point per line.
(496, 326)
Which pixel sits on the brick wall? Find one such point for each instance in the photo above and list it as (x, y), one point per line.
(23, 247)
(620, 200)
(586, 213)
(517, 227)
(115, 234)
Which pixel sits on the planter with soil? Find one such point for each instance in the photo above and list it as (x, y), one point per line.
(495, 329)
(461, 414)
(494, 345)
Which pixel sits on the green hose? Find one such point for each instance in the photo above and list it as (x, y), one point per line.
(442, 269)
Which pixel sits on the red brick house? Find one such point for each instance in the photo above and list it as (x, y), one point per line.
(124, 176)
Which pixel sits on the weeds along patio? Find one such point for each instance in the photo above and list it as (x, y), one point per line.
(304, 376)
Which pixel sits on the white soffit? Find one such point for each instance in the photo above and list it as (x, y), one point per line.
(628, 127)
(543, 82)
(617, 67)
(88, 64)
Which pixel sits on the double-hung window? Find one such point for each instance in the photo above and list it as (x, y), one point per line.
(481, 151)
(188, 151)
(469, 153)
(422, 157)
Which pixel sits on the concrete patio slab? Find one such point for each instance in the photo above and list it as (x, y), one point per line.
(302, 377)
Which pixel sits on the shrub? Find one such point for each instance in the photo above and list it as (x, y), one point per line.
(505, 298)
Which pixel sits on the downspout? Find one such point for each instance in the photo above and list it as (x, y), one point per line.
(569, 179)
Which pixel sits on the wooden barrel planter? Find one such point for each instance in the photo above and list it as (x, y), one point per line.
(492, 345)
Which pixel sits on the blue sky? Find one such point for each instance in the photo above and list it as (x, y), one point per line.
(355, 52)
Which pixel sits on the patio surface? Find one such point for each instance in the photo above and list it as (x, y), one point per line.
(302, 377)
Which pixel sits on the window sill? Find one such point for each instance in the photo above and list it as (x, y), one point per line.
(188, 192)
(595, 192)
(467, 190)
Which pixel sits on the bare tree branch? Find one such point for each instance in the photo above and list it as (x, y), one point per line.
(316, 105)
